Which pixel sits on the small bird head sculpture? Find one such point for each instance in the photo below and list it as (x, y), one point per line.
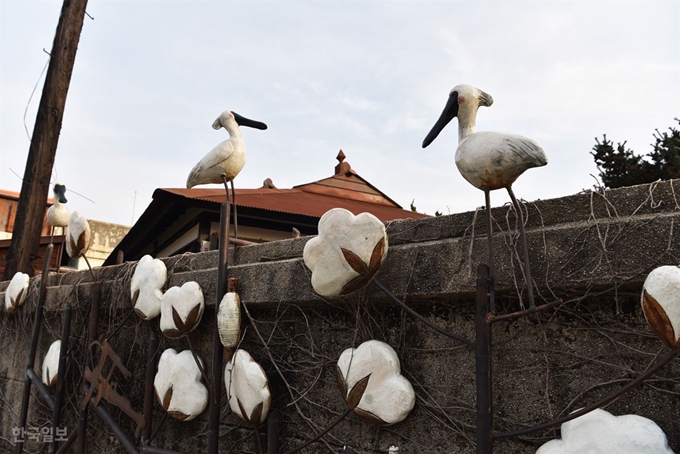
(231, 120)
(59, 191)
(464, 100)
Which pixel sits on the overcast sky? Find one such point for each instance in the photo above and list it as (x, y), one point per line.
(367, 77)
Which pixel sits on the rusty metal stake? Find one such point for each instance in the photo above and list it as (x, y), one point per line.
(148, 387)
(34, 344)
(92, 336)
(218, 348)
(273, 432)
(59, 393)
(483, 362)
(489, 245)
(116, 429)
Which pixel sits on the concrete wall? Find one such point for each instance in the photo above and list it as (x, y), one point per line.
(593, 250)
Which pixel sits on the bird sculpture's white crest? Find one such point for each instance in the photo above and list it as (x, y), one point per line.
(490, 160)
(227, 158)
(58, 214)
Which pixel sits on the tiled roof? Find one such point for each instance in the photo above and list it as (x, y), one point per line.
(296, 201)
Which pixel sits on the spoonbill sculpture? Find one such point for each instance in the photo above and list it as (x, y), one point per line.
(489, 160)
(225, 161)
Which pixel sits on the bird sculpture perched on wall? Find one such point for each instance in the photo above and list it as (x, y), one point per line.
(489, 160)
(225, 161)
(58, 214)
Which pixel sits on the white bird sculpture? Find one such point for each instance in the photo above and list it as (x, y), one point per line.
(489, 160)
(225, 161)
(58, 214)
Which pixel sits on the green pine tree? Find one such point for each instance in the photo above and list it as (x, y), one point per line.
(620, 166)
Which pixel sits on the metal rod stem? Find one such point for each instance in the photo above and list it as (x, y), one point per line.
(42, 389)
(489, 245)
(233, 202)
(437, 328)
(518, 314)
(34, 343)
(525, 248)
(323, 432)
(61, 374)
(116, 429)
(92, 336)
(72, 437)
(273, 432)
(148, 386)
(218, 348)
(154, 450)
(483, 364)
(600, 403)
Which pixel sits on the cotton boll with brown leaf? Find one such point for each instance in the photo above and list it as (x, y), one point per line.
(347, 253)
(661, 304)
(600, 432)
(178, 384)
(181, 309)
(247, 389)
(146, 287)
(50, 366)
(371, 383)
(16, 291)
(78, 236)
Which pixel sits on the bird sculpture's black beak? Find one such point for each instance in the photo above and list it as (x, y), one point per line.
(60, 192)
(449, 112)
(243, 121)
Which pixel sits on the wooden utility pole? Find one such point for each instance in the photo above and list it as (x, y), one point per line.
(25, 244)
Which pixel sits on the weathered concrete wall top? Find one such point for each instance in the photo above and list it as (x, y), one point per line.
(593, 250)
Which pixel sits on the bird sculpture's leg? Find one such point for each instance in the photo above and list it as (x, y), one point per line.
(233, 202)
(489, 231)
(525, 249)
(226, 189)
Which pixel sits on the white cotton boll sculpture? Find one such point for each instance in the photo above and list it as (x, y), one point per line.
(16, 291)
(247, 389)
(178, 385)
(229, 322)
(600, 432)
(182, 309)
(347, 253)
(50, 366)
(387, 397)
(146, 287)
(78, 236)
(661, 304)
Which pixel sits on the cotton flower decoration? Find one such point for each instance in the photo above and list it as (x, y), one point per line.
(78, 236)
(16, 291)
(178, 385)
(181, 309)
(347, 253)
(661, 304)
(247, 389)
(371, 383)
(50, 365)
(146, 287)
(600, 432)
(229, 321)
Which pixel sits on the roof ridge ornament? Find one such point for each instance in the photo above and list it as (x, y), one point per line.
(342, 167)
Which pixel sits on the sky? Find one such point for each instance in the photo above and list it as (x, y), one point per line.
(367, 77)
